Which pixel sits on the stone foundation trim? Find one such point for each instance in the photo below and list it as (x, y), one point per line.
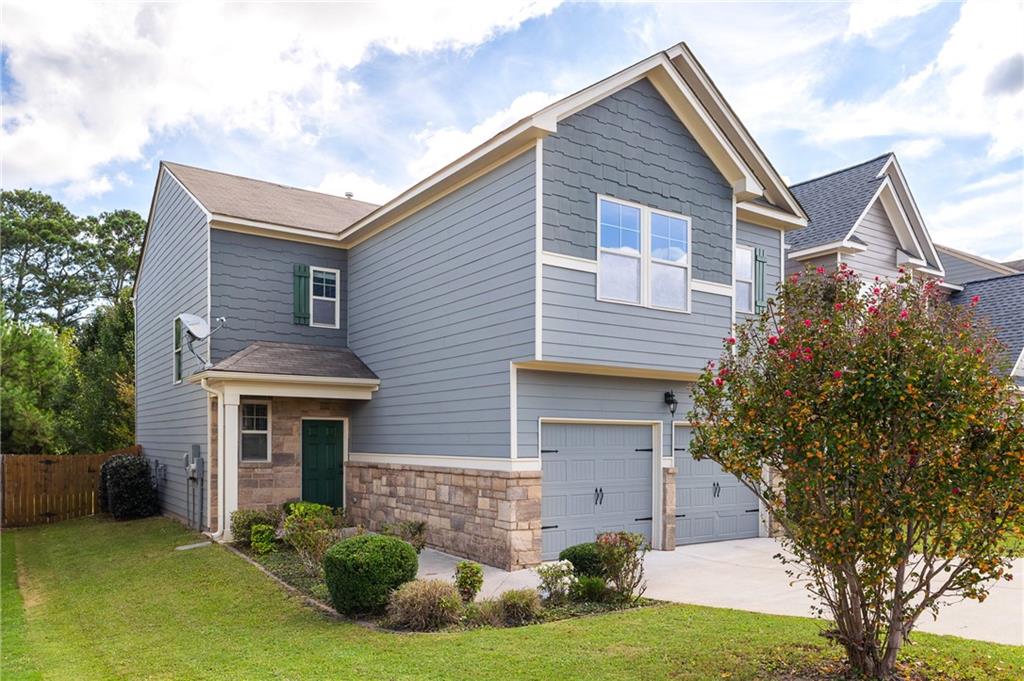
(469, 463)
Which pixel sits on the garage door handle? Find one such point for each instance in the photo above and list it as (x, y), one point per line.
(549, 451)
(602, 497)
(549, 527)
(638, 449)
(595, 496)
(636, 520)
(680, 515)
(751, 510)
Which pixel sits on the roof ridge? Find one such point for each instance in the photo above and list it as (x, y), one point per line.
(276, 184)
(842, 170)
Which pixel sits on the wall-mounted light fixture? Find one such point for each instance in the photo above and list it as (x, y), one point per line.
(671, 401)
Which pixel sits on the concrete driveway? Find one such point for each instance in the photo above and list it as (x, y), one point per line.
(743, 575)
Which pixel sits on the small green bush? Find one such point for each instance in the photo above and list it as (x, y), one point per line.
(424, 605)
(243, 519)
(584, 559)
(261, 538)
(556, 580)
(129, 487)
(469, 577)
(622, 561)
(485, 613)
(589, 590)
(310, 534)
(310, 510)
(519, 606)
(361, 572)
(412, 531)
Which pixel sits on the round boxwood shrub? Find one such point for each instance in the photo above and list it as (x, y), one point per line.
(361, 572)
(584, 558)
(129, 487)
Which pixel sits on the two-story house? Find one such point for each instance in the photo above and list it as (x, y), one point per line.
(504, 350)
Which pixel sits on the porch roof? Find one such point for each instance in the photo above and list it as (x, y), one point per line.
(295, 359)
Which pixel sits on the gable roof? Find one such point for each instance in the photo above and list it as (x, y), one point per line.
(233, 196)
(295, 359)
(1014, 264)
(834, 202)
(997, 268)
(1000, 302)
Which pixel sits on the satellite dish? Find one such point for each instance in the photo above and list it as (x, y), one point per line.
(196, 329)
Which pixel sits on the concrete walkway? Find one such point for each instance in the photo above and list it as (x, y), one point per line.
(743, 575)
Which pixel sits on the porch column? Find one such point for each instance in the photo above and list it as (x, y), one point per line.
(229, 467)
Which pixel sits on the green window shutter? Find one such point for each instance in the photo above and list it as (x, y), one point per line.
(300, 295)
(760, 295)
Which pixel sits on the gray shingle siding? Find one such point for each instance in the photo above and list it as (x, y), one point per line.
(170, 418)
(631, 146)
(756, 236)
(959, 270)
(251, 285)
(877, 232)
(829, 262)
(440, 303)
(579, 328)
(580, 396)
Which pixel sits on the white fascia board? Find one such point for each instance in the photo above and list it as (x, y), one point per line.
(283, 385)
(997, 267)
(1018, 366)
(273, 231)
(768, 216)
(904, 258)
(825, 249)
(915, 213)
(950, 287)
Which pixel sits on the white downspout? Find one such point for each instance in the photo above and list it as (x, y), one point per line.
(219, 394)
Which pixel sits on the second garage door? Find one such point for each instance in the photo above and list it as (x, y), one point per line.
(711, 505)
(596, 478)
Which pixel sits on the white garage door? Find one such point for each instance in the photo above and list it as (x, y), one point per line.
(596, 478)
(711, 505)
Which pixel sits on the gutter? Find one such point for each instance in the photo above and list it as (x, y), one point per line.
(219, 394)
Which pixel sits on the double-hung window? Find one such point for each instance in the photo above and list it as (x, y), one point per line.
(323, 303)
(255, 431)
(744, 279)
(177, 350)
(644, 256)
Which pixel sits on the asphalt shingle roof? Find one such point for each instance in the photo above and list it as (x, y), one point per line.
(1001, 302)
(833, 203)
(296, 359)
(249, 199)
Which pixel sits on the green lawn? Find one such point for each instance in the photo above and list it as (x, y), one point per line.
(103, 600)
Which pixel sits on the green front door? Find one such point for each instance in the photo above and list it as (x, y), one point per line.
(321, 462)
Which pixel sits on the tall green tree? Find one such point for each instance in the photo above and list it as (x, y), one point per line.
(118, 239)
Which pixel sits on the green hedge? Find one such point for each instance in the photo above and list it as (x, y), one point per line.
(584, 558)
(361, 572)
(127, 487)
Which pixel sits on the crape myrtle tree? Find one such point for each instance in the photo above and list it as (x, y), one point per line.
(876, 424)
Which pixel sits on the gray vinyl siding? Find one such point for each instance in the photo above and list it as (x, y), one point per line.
(440, 303)
(829, 262)
(756, 236)
(959, 270)
(251, 285)
(631, 146)
(582, 396)
(170, 417)
(579, 328)
(879, 259)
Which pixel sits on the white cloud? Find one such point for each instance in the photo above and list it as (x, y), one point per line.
(867, 17)
(443, 145)
(362, 188)
(88, 188)
(997, 181)
(95, 83)
(989, 224)
(915, 149)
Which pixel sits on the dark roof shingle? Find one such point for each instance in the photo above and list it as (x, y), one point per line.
(296, 359)
(833, 203)
(1001, 302)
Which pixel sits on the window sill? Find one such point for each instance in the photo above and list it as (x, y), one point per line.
(645, 307)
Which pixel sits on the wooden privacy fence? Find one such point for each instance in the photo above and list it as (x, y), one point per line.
(42, 488)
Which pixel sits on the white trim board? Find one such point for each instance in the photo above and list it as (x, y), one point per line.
(480, 463)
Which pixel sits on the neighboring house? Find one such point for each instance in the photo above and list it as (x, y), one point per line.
(1000, 302)
(962, 267)
(493, 351)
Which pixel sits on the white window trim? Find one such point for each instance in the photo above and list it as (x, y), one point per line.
(242, 431)
(176, 352)
(337, 297)
(646, 259)
(738, 279)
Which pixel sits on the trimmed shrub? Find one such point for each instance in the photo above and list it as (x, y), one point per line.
(556, 580)
(469, 577)
(361, 572)
(310, 534)
(584, 559)
(309, 510)
(243, 520)
(589, 590)
(622, 561)
(412, 531)
(424, 605)
(519, 606)
(485, 613)
(261, 538)
(129, 487)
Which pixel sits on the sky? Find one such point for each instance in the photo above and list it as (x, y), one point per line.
(370, 98)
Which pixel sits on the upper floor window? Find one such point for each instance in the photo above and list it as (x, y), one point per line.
(744, 279)
(177, 350)
(255, 432)
(643, 256)
(324, 300)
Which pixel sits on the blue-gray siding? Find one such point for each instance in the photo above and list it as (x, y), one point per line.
(582, 396)
(579, 328)
(440, 303)
(877, 232)
(959, 270)
(631, 145)
(170, 418)
(756, 236)
(251, 285)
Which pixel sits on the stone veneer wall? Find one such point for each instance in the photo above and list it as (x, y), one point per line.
(489, 516)
(668, 509)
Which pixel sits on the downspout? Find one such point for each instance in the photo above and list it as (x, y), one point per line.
(219, 394)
